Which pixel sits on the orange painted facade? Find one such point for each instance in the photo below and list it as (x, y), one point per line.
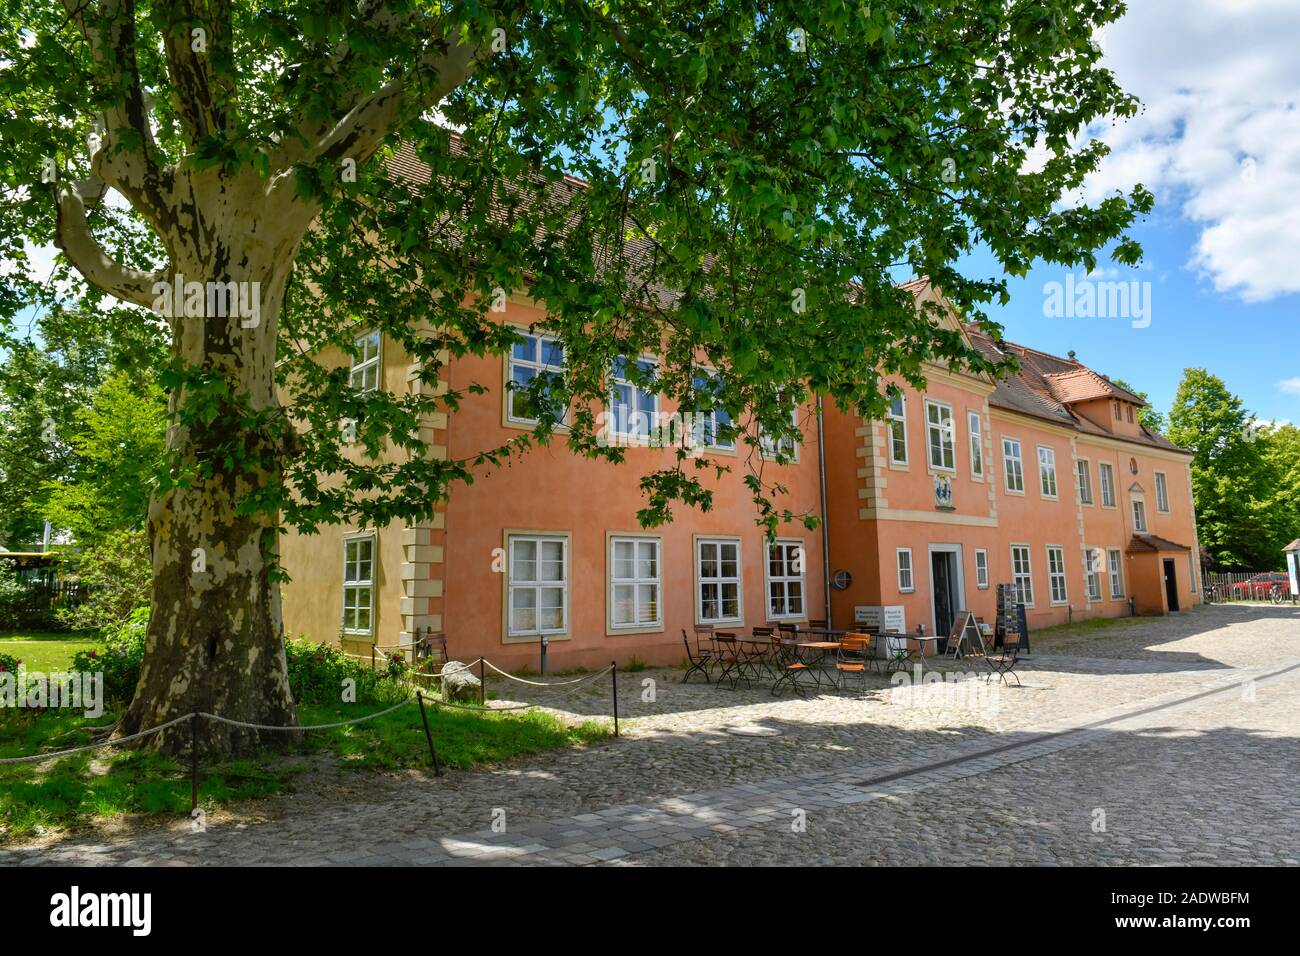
(549, 545)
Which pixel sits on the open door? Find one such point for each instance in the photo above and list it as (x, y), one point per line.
(1171, 583)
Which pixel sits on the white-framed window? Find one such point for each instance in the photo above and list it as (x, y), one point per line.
(633, 406)
(785, 584)
(1139, 514)
(939, 435)
(538, 585)
(634, 582)
(1162, 493)
(533, 356)
(717, 575)
(1115, 563)
(1056, 588)
(1047, 471)
(1084, 470)
(981, 569)
(359, 585)
(1022, 575)
(897, 421)
(1106, 473)
(785, 448)
(975, 432)
(905, 582)
(1093, 557)
(366, 363)
(710, 422)
(1013, 465)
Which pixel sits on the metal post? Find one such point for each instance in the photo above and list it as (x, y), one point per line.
(433, 754)
(482, 683)
(194, 761)
(613, 673)
(544, 644)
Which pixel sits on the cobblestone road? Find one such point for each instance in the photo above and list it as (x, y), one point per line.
(1156, 741)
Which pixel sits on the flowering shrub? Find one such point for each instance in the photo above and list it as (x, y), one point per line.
(317, 673)
(8, 663)
(121, 657)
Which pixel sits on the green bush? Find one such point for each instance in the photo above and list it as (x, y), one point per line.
(121, 657)
(9, 663)
(317, 673)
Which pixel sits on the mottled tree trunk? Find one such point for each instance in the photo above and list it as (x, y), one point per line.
(215, 639)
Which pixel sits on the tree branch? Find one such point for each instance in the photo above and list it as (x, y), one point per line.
(196, 82)
(72, 235)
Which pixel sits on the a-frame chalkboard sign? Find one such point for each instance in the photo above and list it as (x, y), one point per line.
(965, 637)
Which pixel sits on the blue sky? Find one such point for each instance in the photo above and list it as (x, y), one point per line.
(1218, 142)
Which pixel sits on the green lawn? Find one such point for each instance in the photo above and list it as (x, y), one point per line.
(75, 791)
(40, 651)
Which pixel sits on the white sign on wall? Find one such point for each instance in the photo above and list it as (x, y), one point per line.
(889, 617)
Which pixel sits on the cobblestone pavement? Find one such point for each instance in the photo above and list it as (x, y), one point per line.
(1171, 740)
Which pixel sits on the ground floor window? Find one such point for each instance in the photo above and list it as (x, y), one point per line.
(785, 565)
(1022, 575)
(359, 585)
(538, 585)
(905, 570)
(634, 582)
(1116, 573)
(981, 568)
(1056, 574)
(1093, 557)
(717, 575)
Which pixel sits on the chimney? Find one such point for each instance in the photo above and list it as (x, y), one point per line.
(1071, 355)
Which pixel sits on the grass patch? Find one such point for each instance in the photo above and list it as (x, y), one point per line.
(47, 651)
(1093, 627)
(77, 790)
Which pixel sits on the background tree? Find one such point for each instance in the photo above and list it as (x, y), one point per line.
(1244, 477)
(756, 175)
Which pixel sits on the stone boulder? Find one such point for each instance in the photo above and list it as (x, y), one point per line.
(459, 683)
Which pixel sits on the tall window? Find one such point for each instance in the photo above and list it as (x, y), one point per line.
(981, 568)
(938, 419)
(364, 376)
(786, 448)
(359, 585)
(1115, 559)
(974, 432)
(534, 356)
(1056, 574)
(1022, 575)
(1093, 556)
(785, 579)
(1118, 416)
(905, 582)
(898, 430)
(1047, 471)
(717, 571)
(1139, 515)
(1013, 465)
(538, 585)
(1106, 471)
(634, 582)
(633, 404)
(1085, 481)
(1162, 493)
(710, 423)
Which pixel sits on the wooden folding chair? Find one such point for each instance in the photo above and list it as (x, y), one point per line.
(851, 660)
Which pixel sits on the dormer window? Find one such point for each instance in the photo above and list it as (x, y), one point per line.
(1118, 415)
(1128, 413)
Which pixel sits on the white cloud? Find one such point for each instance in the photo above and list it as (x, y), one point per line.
(1218, 138)
(1290, 386)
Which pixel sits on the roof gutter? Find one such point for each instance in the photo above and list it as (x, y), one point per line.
(826, 541)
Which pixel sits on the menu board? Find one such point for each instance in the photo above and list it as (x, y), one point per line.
(883, 618)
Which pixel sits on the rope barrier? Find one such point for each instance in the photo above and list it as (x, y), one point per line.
(339, 723)
(556, 683)
(112, 742)
(478, 710)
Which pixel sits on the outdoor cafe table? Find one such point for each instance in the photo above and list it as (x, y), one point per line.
(821, 650)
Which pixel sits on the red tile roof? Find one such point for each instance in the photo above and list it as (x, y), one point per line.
(1151, 542)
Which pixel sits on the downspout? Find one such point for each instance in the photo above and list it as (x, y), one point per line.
(826, 540)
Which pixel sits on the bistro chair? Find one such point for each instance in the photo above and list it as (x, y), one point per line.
(819, 623)
(702, 656)
(730, 657)
(898, 654)
(786, 665)
(851, 660)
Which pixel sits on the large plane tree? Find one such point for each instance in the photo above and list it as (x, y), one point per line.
(737, 183)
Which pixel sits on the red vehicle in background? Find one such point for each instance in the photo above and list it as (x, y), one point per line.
(1260, 587)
